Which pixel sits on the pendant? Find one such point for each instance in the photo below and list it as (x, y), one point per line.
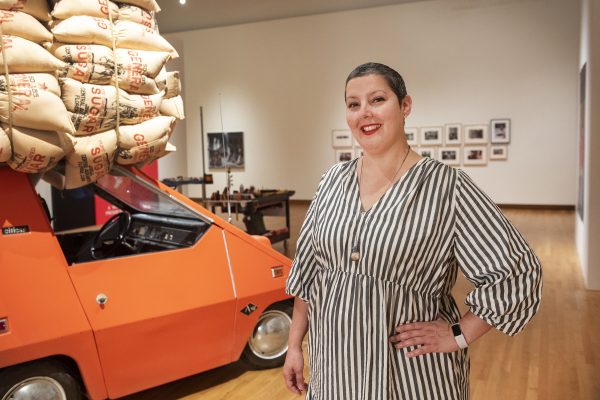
(355, 255)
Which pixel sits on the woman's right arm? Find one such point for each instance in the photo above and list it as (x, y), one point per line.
(293, 369)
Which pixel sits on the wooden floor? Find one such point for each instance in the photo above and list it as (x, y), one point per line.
(556, 357)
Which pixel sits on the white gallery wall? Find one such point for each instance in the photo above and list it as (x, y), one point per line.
(588, 228)
(282, 82)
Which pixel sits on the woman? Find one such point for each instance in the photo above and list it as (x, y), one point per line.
(377, 257)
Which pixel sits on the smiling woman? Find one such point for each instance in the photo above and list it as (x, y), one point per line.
(379, 253)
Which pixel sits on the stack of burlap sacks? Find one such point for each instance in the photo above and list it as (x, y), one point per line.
(85, 85)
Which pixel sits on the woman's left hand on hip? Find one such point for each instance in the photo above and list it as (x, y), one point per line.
(430, 337)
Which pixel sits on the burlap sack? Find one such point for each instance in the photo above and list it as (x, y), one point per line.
(146, 62)
(82, 53)
(83, 29)
(35, 103)
(36, 8)
(150, 5)
(143, 153)
(148, 131)
(37, 151)
(24, 25)
(91, 159)
(98, 74)
(172, 107)
(138, 15)
(94, 8)
(33, 82)
(169, 81)
(93, 30)
(23, 55)
(5, 147)
(135, 36)
(93, 107)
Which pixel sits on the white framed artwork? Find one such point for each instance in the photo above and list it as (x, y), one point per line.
(452, 134)
(341, 138)
(500, 130)
(412, 135)
(431, 136)
(475, 155)
(476, 134)
(498, 152)
(427, 152)
(343, 155)
(449, 155)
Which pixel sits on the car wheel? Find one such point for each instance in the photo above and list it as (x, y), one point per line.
(268, 344)
(47, 379)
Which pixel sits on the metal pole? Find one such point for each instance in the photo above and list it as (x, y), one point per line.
(203, 157)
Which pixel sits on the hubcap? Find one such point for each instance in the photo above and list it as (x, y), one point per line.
(36, 388)
(269, 339)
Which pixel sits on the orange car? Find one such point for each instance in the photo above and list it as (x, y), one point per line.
(164, 290)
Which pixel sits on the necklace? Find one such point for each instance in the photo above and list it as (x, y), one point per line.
(355, 254)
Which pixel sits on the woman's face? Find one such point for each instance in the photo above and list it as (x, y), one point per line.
(374, 114)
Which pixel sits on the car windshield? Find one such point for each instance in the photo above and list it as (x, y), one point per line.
(142, 195)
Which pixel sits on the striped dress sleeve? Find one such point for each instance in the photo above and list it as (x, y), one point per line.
(305, 266)
(494, 257)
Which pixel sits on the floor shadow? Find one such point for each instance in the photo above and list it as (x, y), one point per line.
(193, 384)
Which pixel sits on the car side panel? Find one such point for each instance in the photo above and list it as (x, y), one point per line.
(169, 314)
(252, 266)
(37, 296)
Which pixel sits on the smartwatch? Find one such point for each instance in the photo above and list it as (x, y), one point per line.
(459, 337)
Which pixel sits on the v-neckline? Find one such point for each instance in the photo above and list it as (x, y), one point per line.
(388, 190)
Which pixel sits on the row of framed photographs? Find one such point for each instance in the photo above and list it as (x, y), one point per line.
(450, 155)
(497, 132)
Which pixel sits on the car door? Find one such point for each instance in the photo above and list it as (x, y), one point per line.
(167, 315)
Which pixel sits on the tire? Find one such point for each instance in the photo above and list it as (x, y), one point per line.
(50, 379)
(268, 344)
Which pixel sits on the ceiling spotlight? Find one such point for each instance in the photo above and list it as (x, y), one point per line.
(182, 2)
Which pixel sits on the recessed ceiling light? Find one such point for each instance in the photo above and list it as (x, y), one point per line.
(182, 2)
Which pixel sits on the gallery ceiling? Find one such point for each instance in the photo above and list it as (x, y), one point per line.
(200, 14)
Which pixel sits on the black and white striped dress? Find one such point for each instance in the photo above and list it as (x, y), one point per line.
(431, 222)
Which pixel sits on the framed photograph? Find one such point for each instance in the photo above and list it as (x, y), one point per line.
(452, 134)
(500, 130)
(431, 136)
(449, 155)
(475, 155)
(226, 149)
(412, 135)
(476, 134)
(341, 138)
(427, 152)
(499, 153)
(358, 152)
(343, 155)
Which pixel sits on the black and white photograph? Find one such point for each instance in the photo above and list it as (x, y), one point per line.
(427, 152)
(344, 155)
(498, 152)
(452, 134)
(226, 150)
(431, 136)
(500, 130)
(449, 155)
(476, 134)
(412, 135)
(475, 155)
(341, 138)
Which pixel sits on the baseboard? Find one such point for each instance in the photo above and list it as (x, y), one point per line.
(565, 207)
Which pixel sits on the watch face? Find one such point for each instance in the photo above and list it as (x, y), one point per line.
(456, 330)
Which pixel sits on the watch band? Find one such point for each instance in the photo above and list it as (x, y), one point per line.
(459, 337)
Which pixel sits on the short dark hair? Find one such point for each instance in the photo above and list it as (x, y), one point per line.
(392, 77)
